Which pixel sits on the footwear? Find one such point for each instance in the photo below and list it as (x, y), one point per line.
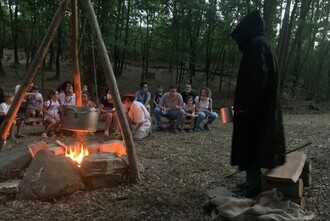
(197, 129)
(44, 135)
(14, 140)
(175, 131)
(106, 133)
(160, 128)
(191, 130)
(207, 127)
(20, 136)
(244, 191)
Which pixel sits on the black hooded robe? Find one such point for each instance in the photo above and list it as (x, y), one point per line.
(258, 136)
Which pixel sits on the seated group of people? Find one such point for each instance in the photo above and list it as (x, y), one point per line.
(186, 105)
(172, 105)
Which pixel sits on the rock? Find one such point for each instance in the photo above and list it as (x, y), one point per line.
(114, 146)
(10, 189)
(56, 149)
(103, 164)
(35, 147)
(13, 162)
(49, 177)
(93, 148)
(103, 170)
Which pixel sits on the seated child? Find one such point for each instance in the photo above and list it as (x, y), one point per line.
(4, 108)
(189, 108)
(51, 114)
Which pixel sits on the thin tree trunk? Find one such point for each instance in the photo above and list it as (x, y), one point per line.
(37, 60)
(126, 37)
(131, 154)
(58, 54)
(2, 32)
(269, 11)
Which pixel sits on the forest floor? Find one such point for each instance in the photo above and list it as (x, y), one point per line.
(180, 168)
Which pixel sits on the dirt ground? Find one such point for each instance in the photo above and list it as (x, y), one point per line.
(179, 169)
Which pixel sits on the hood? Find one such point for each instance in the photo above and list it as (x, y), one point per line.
(250, 26)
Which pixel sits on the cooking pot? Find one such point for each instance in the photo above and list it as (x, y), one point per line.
(227, 114)
(82, 119)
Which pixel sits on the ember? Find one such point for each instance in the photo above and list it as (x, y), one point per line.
(76, 152)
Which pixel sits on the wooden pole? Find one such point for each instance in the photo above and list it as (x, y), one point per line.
(111, 80)
(37, 61)
(75, 60)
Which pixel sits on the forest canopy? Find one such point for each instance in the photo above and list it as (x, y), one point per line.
(183, 36)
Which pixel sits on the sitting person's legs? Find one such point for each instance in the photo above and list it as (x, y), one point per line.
(108, 118)
(210, 118)
(158, 114)
(200, 117)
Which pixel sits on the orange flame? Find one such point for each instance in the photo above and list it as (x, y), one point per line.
(76, 152)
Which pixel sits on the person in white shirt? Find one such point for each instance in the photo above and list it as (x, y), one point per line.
(67, 96)
(51, 114)
(138, 117)
(4, 108)
(204, 109)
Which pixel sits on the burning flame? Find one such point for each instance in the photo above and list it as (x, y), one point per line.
(76, 152)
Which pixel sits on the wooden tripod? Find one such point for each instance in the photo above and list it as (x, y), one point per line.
(109, 74)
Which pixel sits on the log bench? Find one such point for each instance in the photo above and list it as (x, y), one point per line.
(290, 178)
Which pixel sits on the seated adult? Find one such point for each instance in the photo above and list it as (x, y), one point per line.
(143, 96)
(4, 108)
(67, 95)
(188, 92)
(138, 117)
(107, 113)
(204, 109)
(170, 106)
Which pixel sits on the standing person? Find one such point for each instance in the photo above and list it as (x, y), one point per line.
(188, 92)
(258, 135)
(204, 109)
(170, 106)
(138, 117)
(143, 96)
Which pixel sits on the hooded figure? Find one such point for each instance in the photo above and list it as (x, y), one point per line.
(258, 136)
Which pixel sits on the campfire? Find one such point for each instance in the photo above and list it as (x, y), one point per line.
(76, 152)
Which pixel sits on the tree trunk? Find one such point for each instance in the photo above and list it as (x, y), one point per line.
(42, 50)
(58, 54)
(283, 42)
(269, 11)
(14, 29)
(126, 37)
(297, 44)
(2, 32)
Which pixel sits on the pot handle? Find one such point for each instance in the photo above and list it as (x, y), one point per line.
(75, 111)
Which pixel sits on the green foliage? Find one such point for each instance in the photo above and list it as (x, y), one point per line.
(192, 33)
